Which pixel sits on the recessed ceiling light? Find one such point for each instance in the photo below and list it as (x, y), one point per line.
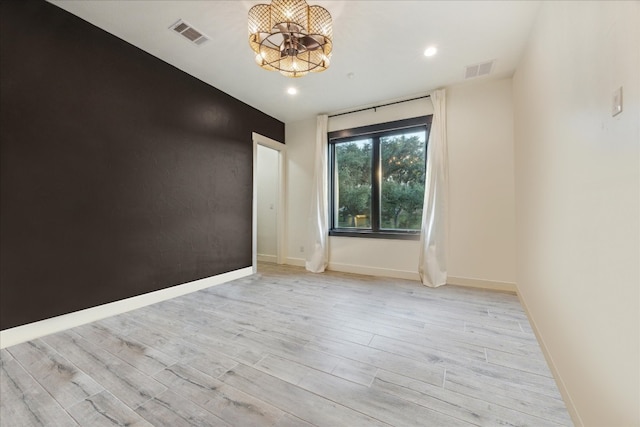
(430, 51)
(292, 91)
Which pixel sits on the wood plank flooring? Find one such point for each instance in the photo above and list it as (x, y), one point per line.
(290, 348)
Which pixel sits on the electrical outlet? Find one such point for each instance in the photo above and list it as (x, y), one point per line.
(616, 102)
(301, 249)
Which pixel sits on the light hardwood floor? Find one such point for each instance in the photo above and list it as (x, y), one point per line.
(290, 348)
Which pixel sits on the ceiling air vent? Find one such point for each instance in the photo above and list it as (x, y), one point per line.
(479, 70)
(188, 32)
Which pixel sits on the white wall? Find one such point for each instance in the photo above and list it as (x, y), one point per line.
(300, 139)
(267, 206)
(482, 236)
(481, 181)
(578, 214)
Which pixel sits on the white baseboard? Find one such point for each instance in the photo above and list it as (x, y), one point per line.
(571, 407)
(374, 271)
(267, 258)
(414, 275)
(30, 331)
(483, 284)
(298, 262)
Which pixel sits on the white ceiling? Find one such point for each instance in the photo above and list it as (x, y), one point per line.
(380, 42)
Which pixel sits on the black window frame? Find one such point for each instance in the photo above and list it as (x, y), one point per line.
(375, 132)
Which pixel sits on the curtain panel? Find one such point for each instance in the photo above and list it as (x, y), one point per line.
(318, 248)
(434, 231)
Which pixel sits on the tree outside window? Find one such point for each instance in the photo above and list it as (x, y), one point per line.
(403, 172)
(353, 192)
(377, 179)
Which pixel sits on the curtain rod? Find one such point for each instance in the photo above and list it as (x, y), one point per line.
(378, 106)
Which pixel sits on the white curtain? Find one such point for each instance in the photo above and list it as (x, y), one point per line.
(318, 248)
(434, 232)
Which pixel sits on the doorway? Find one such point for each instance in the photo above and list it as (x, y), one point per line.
(269, 159)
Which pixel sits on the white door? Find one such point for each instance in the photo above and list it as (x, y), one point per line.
(267, 178)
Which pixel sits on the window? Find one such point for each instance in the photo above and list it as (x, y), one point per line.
(377, 176)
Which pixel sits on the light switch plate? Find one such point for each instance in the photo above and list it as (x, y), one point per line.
(616, 104)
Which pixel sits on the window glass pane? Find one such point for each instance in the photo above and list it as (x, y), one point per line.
(403, 173)
(352, 192)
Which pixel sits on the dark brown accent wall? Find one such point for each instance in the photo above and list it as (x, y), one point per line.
(119, 174)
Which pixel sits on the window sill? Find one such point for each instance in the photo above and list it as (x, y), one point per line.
(368, 234)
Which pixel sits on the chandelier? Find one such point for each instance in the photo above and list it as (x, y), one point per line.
(291, 37)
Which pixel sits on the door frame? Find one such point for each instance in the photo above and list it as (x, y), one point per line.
(281, 232)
